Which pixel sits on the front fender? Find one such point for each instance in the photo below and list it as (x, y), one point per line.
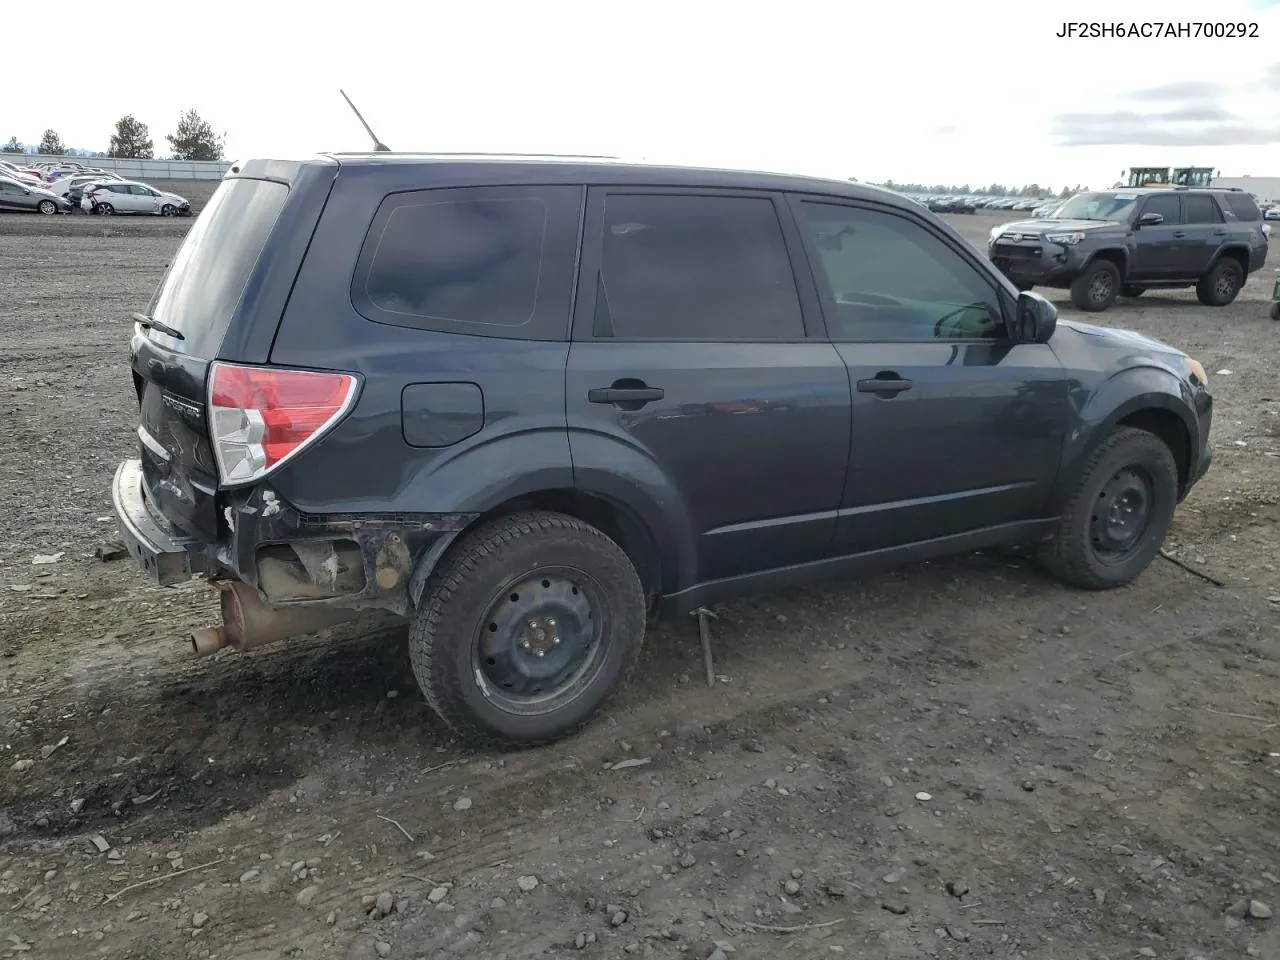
(614, 467)
(1110, 252)
(1123, 395)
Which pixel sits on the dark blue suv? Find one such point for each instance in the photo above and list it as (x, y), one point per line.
(528, 404)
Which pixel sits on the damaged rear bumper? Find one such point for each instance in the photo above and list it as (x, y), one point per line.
(165, 556)
(361, 561)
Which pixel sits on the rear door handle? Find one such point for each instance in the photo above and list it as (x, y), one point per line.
(1179, 234)
(884, 386)
(625, 394)
(1219, 233)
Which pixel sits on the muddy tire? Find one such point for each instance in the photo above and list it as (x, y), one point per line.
(1221, 284)
(1097, 288)
(1132, 290)
(1116, 519)
(526, 629)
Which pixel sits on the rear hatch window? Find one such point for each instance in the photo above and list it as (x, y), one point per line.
(197, 297)
(208, 274)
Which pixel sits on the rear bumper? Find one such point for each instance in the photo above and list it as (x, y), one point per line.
(163, 557)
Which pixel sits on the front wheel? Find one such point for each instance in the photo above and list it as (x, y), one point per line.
(1116, 520)
(1219, 286)
(526, 629)
(47, 207)
(1096, 289)
(168, 210)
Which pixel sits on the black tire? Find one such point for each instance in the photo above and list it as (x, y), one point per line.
(1221, 284)
(464, 639)
(1096, 289)
(1275, 310)
(47, 207)
(1132, 290)
(104, 210)
(1077, 553)
(168, 210)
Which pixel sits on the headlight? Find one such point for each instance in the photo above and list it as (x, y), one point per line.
(995, 232)
(1066, 239)
(1196, 369)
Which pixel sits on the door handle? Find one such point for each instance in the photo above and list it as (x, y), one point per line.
(1179, 234)
(1219, 233)
(625, 394)
(884, 385)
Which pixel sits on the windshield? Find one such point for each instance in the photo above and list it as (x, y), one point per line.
(1098, 206)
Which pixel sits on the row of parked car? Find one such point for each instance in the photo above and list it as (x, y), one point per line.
(1039, 206)
(70, 187)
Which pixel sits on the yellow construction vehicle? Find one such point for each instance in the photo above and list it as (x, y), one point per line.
(1160, 177)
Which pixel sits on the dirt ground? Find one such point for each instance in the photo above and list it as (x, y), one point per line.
(963, 759)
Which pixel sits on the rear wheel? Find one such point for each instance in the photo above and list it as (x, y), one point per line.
(526, 629)
(1220, 285)
(47, 207)
(1096, 289)
(1117, 517)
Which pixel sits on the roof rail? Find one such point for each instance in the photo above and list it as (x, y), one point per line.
(479, 153)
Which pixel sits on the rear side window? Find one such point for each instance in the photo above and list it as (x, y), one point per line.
(1200, 208)
(204, 283)
(1242, 205)
(491, 261)
(685, 267)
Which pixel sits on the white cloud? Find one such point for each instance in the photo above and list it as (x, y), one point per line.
(911, 90)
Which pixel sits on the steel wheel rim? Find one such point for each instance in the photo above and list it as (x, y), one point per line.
(541, 642)
(1100, 287)
(1121, 515)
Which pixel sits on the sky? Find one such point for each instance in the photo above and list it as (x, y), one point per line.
(911, 91)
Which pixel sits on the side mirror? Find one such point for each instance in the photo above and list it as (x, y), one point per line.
(1150, 220)
(1036, 319)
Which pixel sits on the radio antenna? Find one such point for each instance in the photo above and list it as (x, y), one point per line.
(378, 145)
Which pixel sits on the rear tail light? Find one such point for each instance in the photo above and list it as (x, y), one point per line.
(259, 417)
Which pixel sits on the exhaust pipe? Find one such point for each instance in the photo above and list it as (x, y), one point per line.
(249, 622)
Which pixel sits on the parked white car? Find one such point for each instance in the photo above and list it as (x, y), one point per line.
(129, 196)
(60, 187)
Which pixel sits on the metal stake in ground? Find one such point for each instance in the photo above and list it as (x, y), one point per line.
(705, 617)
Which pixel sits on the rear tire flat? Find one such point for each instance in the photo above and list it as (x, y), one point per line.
(526, 629)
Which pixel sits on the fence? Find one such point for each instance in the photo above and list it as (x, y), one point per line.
(143, 169)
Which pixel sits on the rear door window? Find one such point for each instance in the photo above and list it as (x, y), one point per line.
(488, 261)
(687, 267)
(1200, 208)
(206, 279)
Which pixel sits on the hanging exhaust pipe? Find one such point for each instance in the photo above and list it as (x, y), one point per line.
(249, 622)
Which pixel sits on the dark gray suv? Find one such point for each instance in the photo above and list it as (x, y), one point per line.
(1108, 243)
(529, 404)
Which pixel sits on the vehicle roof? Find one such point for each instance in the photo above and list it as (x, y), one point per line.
(1173, 189)
(608, 170)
